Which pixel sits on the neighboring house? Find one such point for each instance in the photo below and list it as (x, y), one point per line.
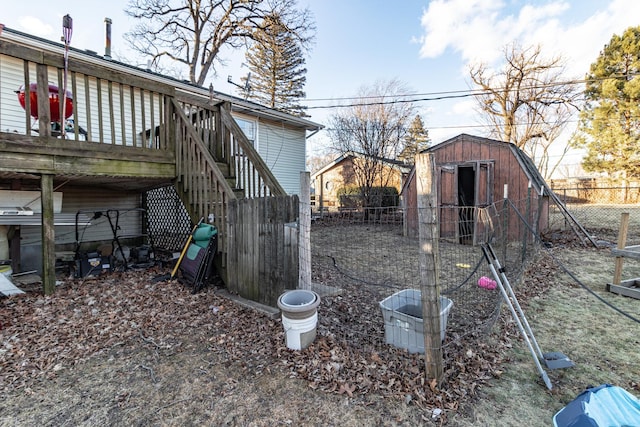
(133, 131)
(328, 181)
(473, 172)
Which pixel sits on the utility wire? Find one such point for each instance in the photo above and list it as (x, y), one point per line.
(455, 94)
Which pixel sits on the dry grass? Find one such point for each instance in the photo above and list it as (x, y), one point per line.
(603, 344)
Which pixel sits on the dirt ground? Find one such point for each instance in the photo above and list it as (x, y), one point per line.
(124, 349)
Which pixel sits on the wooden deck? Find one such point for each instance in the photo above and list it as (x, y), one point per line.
(127, 130)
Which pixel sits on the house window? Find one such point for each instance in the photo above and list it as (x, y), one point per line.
(249, 129)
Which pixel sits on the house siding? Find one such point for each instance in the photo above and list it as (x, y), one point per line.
(283, 149)
(89, 201)
(12, 118)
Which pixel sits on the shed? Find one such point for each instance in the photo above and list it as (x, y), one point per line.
(475, 172)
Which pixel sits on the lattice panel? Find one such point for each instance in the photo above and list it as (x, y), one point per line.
(169, 221)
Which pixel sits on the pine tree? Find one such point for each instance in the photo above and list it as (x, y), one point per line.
(416, 140)
(276, 63)
(609, 128)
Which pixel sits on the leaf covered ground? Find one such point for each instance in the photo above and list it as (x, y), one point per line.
(124, 349)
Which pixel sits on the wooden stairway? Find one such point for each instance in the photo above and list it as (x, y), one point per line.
(215, 165)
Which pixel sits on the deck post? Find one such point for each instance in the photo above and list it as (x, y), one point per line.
(48, 235)
(429, 282)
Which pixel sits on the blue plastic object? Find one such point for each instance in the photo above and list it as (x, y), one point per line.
(605, 405)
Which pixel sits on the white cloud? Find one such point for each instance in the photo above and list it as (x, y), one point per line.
(582, 43)
(464, 108)
(33, 25)
(450, 24)
(478, 30)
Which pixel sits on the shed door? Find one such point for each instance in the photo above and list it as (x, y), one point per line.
(448, 195)
(463, 189)
(483, 200)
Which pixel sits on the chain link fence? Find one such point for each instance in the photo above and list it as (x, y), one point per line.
(599, 210)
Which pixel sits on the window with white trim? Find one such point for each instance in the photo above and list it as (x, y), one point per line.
(249, 129)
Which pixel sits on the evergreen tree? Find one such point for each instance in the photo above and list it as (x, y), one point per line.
(276, 62)
(610, 122)
(416, 140)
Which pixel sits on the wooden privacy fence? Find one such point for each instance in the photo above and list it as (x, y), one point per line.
(263, 247)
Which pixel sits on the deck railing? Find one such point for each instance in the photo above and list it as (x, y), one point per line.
(99, 105)
(126, 113)
(252, 174)
(204, 188)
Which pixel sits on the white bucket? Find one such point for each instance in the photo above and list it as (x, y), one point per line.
(299, 333)
(299, 317)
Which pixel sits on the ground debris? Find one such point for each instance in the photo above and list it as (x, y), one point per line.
(44, 337)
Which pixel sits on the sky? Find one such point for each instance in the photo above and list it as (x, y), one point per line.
(427, 45)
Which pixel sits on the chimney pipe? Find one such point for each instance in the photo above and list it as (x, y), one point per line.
(107, 47)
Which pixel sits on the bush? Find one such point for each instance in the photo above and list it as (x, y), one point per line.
(350, 197)
(383, 197)
(380, 197)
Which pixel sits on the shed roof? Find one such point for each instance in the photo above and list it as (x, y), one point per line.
(395, 164)
(526, 164)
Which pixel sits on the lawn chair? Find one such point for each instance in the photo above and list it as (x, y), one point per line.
(197, 265)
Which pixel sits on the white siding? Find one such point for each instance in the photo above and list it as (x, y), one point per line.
(13, 117)
(89, 201)
(283, 149)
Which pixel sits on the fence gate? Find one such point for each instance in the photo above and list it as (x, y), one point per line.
(263, 247)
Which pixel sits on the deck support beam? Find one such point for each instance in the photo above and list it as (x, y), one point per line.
(48, 235)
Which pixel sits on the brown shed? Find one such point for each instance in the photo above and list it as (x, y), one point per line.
(475, 172)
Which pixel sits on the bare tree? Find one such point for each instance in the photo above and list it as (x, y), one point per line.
(527, 102)
(193, 32)
(372, 127)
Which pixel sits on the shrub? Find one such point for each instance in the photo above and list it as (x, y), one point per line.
(379, 197)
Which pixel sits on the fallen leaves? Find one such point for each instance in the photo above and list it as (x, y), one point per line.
(44, 336)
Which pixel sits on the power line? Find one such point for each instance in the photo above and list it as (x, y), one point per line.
(361, 101)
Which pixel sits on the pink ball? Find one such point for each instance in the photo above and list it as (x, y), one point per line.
(487, 283)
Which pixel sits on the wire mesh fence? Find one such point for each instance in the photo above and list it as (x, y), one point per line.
(373, 263)
(599, 210)
(375, 269)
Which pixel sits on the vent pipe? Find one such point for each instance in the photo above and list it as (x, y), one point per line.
(107, 46)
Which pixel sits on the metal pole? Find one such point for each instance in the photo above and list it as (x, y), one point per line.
(107, 44)
(67, 31)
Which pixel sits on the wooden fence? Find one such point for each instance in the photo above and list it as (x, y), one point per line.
(263, 247)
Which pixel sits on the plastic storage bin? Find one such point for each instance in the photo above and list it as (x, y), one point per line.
(403, 324)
